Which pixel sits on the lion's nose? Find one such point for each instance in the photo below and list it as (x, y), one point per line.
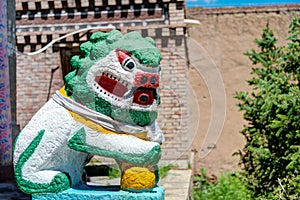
(147, 80)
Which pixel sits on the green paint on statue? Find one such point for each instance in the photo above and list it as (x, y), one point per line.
(78, 143)
(59, 183)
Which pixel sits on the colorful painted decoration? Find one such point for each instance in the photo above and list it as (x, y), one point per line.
(108, 107)
(5, 116)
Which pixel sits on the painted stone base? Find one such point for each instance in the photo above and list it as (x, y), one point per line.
(103, 193)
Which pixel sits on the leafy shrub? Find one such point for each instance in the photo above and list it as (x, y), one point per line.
(228, 187)
(271, 156)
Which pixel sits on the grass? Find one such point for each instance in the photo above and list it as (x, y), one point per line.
(114, 172)
(163, 170)
(229, 186)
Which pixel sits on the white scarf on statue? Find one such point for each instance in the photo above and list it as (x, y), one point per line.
(153, 131)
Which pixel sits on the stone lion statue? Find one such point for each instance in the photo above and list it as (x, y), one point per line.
(108, 107)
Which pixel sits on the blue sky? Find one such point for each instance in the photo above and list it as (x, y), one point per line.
(226, 3)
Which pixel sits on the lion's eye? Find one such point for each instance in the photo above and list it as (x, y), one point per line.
(128, 64)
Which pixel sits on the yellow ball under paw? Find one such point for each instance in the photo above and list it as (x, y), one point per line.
(137, 179)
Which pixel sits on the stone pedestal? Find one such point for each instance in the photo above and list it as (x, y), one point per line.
(102, 193)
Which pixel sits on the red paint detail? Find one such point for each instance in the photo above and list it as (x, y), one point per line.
(143, 92)
(122, 55)
(141, 75)
(112, 86)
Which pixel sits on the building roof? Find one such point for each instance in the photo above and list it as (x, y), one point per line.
(40, 21)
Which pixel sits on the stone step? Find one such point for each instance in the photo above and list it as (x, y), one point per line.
(178, 184)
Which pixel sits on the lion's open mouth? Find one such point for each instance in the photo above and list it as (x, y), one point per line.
(111, 84)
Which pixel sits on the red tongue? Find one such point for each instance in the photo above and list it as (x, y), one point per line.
(143, 96)
(112, 86)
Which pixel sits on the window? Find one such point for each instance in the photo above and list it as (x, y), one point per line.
(66, 53)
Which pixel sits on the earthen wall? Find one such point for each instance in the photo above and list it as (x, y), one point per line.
(224, 35)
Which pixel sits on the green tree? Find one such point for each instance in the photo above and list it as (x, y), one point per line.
(271, 156)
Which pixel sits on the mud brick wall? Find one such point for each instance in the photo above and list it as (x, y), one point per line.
(225, 35)
(40, 22)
